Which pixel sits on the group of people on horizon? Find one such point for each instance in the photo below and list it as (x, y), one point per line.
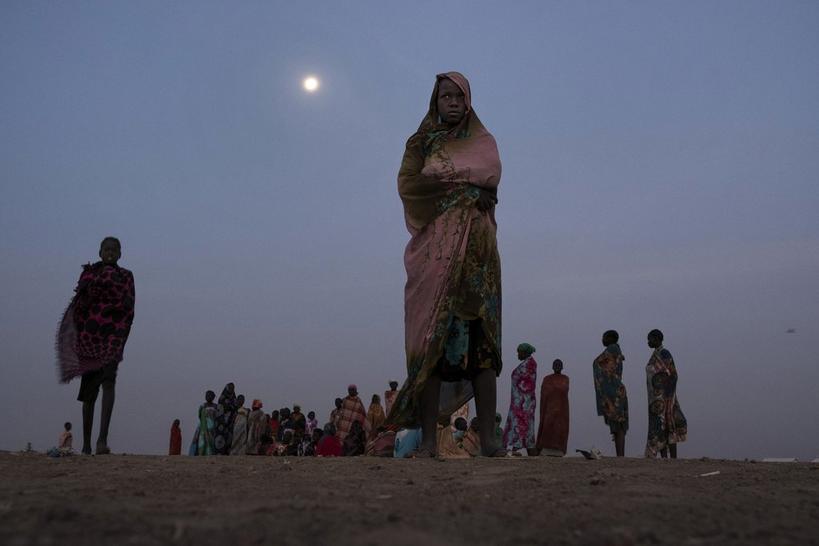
(227, 427)
(667, 425)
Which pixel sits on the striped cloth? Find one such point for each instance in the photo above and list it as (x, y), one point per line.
(351, 410)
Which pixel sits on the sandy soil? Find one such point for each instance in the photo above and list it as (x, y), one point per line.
(129, 499)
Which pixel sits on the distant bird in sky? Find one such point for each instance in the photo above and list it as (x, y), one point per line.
(790, 331)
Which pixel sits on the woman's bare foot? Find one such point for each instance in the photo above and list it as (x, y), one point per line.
(103, 449)
(500, 452)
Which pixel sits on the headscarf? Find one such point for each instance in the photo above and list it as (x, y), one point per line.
(471, 157)
(526, 349)
(257, 404)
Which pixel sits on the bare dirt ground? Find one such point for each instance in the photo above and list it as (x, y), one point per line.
(130, 499)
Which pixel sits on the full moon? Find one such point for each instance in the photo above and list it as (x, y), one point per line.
(310, 84)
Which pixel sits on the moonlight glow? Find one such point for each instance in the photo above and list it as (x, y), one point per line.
(311, 84)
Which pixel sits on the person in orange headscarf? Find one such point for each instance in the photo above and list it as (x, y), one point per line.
(448, 184)
(553, 434)
(176, 439)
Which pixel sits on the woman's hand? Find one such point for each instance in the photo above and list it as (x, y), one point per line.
(485, 200)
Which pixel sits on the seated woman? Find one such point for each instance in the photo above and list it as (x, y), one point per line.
(472, 441)
(329, 445)
(355, 441)
(309, 449)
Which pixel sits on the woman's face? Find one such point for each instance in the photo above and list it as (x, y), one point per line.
(109, 252)
(451, 102)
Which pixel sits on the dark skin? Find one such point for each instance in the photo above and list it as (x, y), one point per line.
(557, 366)
(451, 105)
(484, 386)
(109, 254)
(655, 342)
(619, 436)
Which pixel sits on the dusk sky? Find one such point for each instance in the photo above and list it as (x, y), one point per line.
(660, 170)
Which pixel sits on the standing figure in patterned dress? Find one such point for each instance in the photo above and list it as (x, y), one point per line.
(666, 423)
(612, 401)
(519, 432)
(92, 337)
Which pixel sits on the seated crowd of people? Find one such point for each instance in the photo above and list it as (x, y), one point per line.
(226, 427)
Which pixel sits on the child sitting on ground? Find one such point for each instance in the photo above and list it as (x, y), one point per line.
(66, 439)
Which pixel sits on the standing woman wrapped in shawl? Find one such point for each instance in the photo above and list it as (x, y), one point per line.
(238, 443)
(553, 434)
(667, 425)
(610, 392)
(92, 336)
(519, 432)
(225, 414)
(175, 447)
(202, 441)
(375, 415)
(448, 184)
(257, 425)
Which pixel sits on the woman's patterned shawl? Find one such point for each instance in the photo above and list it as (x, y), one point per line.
(666, 422)
(452, 262)
(96, 325)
